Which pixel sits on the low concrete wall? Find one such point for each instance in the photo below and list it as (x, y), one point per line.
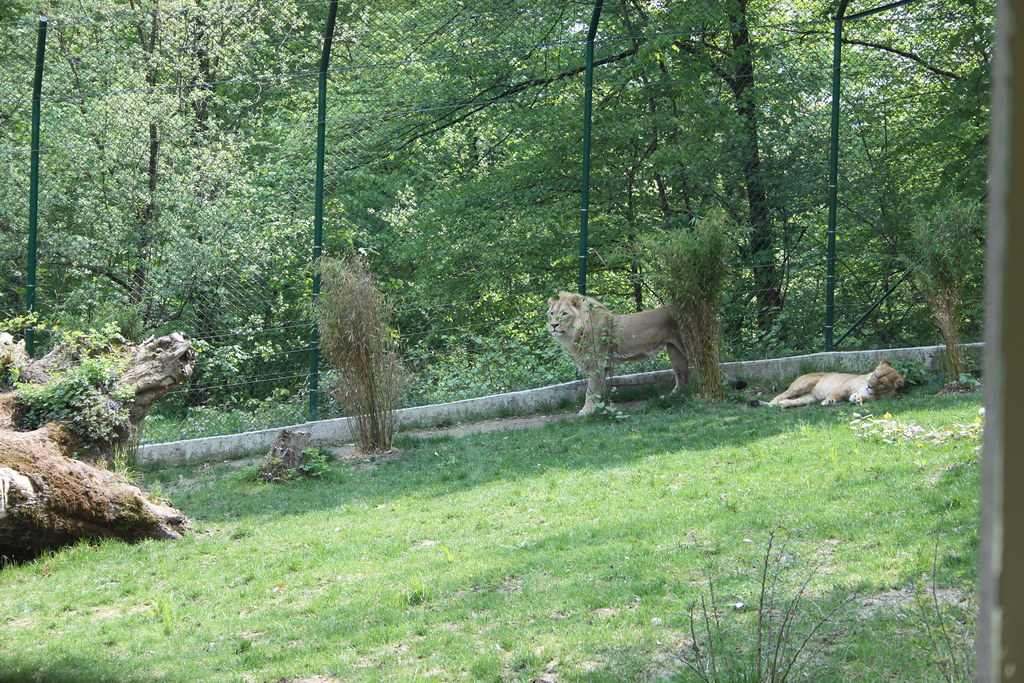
(787, 369)
(339, 430)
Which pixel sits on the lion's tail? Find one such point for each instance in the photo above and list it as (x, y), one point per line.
(740, 385)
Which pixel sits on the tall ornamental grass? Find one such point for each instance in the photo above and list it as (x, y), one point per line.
(689, 267)
(948, 252)
(358, 340)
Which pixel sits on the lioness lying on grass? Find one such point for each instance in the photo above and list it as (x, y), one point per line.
(838, 387)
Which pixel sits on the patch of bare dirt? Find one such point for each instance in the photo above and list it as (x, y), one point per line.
(494, 425)
(903, 599)
(957, 388)
(348, 453)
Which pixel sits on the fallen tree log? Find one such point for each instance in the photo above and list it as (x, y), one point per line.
(55, 488)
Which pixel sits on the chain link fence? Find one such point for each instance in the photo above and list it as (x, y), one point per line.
(177, 177)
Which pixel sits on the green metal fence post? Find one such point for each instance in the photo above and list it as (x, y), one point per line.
(833, 163)
(318, 210)
(833, 176)
(588, 98)
(33, 191)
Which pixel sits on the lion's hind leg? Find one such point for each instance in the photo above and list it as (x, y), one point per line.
(680, 366)
(805, 400)
(799, 393)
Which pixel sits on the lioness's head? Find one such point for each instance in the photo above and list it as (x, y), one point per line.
(884, 381)
(565, 314)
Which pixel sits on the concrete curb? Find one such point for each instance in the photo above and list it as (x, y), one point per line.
(788, 369)
(525, 402)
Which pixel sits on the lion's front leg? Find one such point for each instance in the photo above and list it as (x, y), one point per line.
(597, 384)
(834, 398)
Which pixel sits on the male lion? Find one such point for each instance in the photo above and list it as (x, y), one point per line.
(599, 340)
(836, 387)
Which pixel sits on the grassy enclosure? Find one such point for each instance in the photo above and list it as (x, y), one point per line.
(579, 551)
(173, 189)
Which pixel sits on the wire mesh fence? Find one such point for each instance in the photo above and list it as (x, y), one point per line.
(177, 177)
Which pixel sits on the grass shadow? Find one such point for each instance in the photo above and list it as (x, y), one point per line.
(445, 466)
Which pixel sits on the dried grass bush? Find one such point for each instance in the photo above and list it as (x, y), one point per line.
(689, 267)
(947, 250)
(358, 340)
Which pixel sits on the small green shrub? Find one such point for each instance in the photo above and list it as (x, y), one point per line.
(968, 381)
(914, 371)
(316, 462)
(84, 398)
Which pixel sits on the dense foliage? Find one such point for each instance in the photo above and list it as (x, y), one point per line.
(85, 396)
(177, 170)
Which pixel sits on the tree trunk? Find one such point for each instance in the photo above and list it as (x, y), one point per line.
(151, 369)
(50, 494)
(48, 500)
(285, 456)
(761, 248)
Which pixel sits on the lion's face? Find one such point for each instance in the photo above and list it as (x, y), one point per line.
(565, 315)
(884, 381)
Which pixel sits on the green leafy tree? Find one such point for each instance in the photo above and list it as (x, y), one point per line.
(178, 147)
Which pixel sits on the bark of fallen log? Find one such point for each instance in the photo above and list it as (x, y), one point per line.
(48, 500)
(51, 495)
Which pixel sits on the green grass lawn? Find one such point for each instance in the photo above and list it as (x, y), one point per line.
(572, 552)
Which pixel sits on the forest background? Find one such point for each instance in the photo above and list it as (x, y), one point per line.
(177, 176)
